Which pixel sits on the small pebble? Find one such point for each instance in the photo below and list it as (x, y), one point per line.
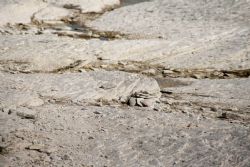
(132, 101)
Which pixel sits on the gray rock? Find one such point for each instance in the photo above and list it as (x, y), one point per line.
(167, 72)
(181, 25)
(132, 101)
(149, 72)
(24, 11)
(230, 92)
(37, 147)
(214, 108)
(139, 101)
(107, 86)
(76, 88)
(26, 113)
(148, 103)
(51, 14)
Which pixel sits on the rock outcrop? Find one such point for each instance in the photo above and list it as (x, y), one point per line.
(130, 83)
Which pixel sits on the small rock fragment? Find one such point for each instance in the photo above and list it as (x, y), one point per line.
(107, 86)
(139, 102)
(149, 72)
(122, 63)
(26, 113)
(167, 72)
(96, 112)
(66, 157)
(157, 108)
(42, 148)
(197, 76)
(132, 101)
(148, 102)
(48, 150)
(233, 109)
(123, 99)
(104, 66)
(214, 108)
(82, 70)
(217, 73)
(223, 116)
(37, 147)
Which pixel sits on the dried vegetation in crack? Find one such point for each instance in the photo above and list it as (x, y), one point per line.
(145, 68)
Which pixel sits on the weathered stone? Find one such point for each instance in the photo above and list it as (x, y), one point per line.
(37, 147)
(51, 13)
(229, 92)
(181, 24)
(139, 101)
(148, 102)
(214, 108)
(24, 11)
(77, 88)
(149, 72)
(197, 76)
(167, 72)
(19, 12)
(26, 113)
(132, 101)
(107, 86)
(80, 122)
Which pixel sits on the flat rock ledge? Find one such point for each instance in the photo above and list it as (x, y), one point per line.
(24, 11)
(101, 86)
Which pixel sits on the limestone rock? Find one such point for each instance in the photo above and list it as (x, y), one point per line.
(191, 38)
(148, 103)
(51, 13)
(23, 11)
(132, 101)
(12, 11)
(149, 72)
(230, 92)
(81, 87)
(26, 113)
(87, 6)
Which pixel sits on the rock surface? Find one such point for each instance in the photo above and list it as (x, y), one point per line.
(23, 11)
(121, 137)
(12, 11)
(199, 34)
(26, 113)
(76, 88)
(150, 83)
(231, 91)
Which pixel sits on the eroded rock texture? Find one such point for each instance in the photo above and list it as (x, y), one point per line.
(131, 83)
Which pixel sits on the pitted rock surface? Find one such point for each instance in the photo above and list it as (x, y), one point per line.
(94, 83)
